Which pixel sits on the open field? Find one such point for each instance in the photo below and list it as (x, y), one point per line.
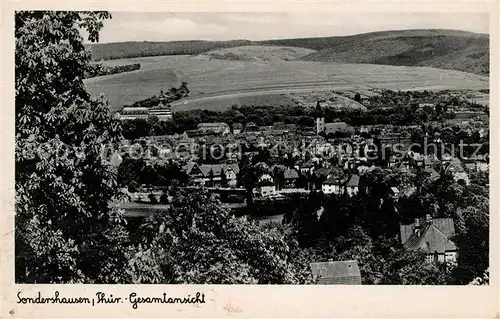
(219, 83)
(258, 53)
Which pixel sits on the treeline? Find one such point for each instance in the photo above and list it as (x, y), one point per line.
(389, 107)
(98, 69)
(122, 50)
(440, 99)
(133, 173)
(267, 115)
(173, 94)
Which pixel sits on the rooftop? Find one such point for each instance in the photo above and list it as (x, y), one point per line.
(336, 272)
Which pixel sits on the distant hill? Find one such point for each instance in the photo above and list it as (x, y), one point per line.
(446, 49)
(258, 53)
(122, 50)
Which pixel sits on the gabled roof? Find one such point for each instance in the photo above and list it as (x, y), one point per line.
(336, 272)
(216, 168)
(333, 180)
(456, 164)
(291, 173)
(353, 181)
(433, 173)
(323, 171)
(430, 239)
(437, 232)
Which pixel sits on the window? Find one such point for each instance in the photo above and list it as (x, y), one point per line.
(429, 258)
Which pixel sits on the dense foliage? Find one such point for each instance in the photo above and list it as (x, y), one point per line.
(198, 241)
(65, 229)
(98, 69)
(366, 227)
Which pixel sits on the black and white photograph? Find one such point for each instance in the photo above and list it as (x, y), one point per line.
(252, 148)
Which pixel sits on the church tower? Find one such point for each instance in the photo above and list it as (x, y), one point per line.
(320, 119)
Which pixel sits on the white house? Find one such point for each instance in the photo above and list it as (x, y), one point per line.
(332, 185)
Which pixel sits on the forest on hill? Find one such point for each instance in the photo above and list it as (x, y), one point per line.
(123, 50)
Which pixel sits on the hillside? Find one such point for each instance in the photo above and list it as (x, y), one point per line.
(216, 83)
(446, 49)
(123, 50)
(258, 53)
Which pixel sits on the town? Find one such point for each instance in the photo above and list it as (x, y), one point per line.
(258, 170)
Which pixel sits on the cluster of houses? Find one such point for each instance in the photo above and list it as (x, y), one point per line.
(301, 160)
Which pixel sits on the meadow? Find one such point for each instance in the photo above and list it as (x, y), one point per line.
(218, 83)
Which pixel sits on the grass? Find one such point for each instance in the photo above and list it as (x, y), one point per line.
(224, 102)
(220, 83)
(259, 53)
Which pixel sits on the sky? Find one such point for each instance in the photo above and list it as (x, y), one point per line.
(168, 26)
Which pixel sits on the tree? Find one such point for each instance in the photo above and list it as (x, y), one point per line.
(152, 198)
(472, 240)
(411, 268)
(198, 241)
(357, 245)
(164, 198)
(66, 230)
(223, 179)
(248, 177)
(357, 97)
(302, 216)
(211, 178)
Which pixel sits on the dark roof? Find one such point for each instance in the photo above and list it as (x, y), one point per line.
(456, 164)
(216, 168)
(433, 173)
(333, 180)
(323, 171)
(336, 272)
(434, 235)
(291, 174)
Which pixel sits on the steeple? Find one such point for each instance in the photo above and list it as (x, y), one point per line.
(161, 100)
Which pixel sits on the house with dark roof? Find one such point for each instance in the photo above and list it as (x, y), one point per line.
(333, 185)
(432, 235)
(344, 272)
(457, 170)
(433, 174)
(290, 175)
(214, 173)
